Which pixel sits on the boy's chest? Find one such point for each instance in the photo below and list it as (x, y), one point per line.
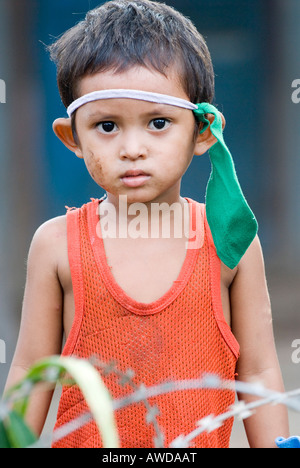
(145, 268)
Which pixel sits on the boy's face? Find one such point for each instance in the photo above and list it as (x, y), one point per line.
(135, 148)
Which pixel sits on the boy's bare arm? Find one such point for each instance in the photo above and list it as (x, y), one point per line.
(41, 325)
(252, 326)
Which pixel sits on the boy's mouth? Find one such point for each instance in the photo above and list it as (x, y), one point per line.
(135, 178)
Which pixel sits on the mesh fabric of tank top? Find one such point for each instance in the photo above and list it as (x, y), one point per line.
(181, 341)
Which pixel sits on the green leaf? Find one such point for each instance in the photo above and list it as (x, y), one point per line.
(96, 395)
(4, 442)
(90, 383)
(17, 432)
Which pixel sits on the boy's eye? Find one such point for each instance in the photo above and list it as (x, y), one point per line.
(159, 124)
(107, 127)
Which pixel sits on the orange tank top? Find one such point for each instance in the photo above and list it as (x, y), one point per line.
(180, 336)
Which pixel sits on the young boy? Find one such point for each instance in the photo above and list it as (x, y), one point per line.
(167, 306)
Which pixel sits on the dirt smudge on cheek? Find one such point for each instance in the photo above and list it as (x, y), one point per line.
(93, 165)
(95, 168)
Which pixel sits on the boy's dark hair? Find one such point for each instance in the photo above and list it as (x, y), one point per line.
(123, 33)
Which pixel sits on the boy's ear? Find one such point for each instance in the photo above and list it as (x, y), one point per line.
(63, 130)
(206, 140)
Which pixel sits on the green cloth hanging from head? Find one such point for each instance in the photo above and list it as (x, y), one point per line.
(231, 221)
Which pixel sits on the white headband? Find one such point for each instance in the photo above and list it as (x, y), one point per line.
(130, 94)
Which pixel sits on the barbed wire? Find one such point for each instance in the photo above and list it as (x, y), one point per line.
(140, 393)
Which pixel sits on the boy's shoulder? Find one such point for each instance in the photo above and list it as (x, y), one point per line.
(51, 230)
(49, 243)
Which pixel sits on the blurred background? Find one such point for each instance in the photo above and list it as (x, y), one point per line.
(256, 54)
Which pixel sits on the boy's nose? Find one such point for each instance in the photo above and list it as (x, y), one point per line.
(133, 147)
